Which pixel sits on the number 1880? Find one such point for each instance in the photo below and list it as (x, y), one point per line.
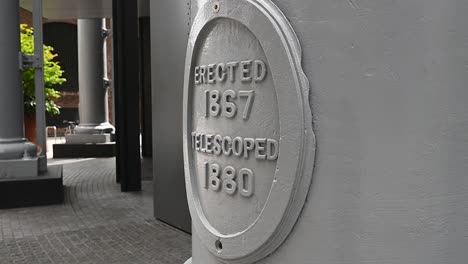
(228, 179)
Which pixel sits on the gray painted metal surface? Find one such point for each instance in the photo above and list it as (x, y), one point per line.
(169, 34)
(94, 113)
(388, 93)
(39, 85)
(248, 139)
(13, 146)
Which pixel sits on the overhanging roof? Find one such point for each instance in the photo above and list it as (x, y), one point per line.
(66, 9)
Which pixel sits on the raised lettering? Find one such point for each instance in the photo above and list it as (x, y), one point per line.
(206, 172)
(263, 148)
(215, 181)
(203, 143)
(272, 149)
(245, 66)
(197, 142)
(217, 145)
(209, 144)
(259, 70)
(211, 73)
(202, 74)
(246, 182)
(248, 103)
(231, 70)
(206, 98)
(193, 139)
(229, 176)
(214, 103)
(249, 144)
(260, 148)
(197, 75)
(237, 146)
(228, 179)
(227, 149)
(221, 74)
(229, 108)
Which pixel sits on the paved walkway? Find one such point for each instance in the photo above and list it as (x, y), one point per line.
(96, 224)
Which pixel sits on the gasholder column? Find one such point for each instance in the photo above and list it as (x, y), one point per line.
(17, 156)
(388, 93)
(94, 124)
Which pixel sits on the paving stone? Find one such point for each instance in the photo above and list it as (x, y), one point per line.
(96, 224)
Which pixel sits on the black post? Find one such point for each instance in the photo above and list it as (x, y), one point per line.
(145, 71)
(127, 94)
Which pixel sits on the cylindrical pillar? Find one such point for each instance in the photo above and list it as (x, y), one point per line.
(94, 116)
(388, 91)
(12, 142)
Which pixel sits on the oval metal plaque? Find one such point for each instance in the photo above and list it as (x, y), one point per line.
(248, 141)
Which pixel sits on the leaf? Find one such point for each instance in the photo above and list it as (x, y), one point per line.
(52, 74)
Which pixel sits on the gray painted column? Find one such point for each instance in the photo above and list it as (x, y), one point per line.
(94, 116)
(169, 184)
(15, 151)
(389, 95)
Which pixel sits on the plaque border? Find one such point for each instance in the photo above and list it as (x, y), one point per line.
(297, 143)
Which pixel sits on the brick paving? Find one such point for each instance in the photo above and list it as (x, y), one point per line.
(96, 224)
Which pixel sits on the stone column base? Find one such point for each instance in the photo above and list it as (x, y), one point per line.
(19, 168)
(45, 189)
(87, 138)
(100, 150)
(102, 128)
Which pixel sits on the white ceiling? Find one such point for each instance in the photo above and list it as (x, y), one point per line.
(65, 9)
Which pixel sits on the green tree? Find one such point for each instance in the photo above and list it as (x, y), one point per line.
(52, 75)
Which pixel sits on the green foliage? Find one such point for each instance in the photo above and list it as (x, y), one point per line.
(52, 75)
